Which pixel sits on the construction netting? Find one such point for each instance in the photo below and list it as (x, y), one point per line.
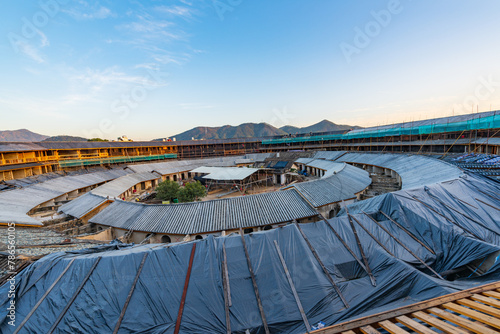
(451, 124)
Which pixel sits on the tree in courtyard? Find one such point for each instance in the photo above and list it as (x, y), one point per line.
(193, 191)
(167, 190)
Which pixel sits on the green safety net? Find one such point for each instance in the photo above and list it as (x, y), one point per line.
(90, 162)
(488, 122)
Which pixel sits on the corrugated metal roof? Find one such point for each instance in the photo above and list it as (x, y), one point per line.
(20, 166)
(329, 155)
(15, 204)
(19, 146)
(225, 173)
(344, 184)
(304, 161)
(179, 166)
(71, 145)
(414, 170)
(88, 202)
(208, 216)
(82, 205)
(258, 157)
(120, 185)
(243, 161)
(325, 165)
(489, 141)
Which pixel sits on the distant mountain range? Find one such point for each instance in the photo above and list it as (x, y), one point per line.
(24, 135)
(323, 126)
(245, 130)
(248, 130)
(21, 135)
(65, 138)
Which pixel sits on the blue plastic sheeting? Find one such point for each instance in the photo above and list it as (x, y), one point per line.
(400, 278)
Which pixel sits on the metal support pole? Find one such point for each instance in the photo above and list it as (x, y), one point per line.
(365, 260)
(439, 213)
(254, 282)
(184, 292)
(372, 236)
(328, 276)
(292, 286)
(403, 245)
(227, 291)
(96, 262)
(43, 297)
(408, 232)
(346, 246)
(132, 288)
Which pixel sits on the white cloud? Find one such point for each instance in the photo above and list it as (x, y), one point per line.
(44, 41)
(28, 47)
(31, 51)
(97, 80)
(179, 11)
(84, 11)
(146, 28)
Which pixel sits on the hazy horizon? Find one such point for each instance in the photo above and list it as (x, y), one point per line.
(158, 68)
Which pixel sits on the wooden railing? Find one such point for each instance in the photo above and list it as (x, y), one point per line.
(474, 310)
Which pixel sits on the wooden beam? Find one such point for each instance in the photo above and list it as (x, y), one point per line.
(225, 284)
(485, 319)
(475, 327)
(226, 272)
(184, 291)
(292, 286)
(413, 325)
(494, 207)
(254, 282)
(346, 246)
(360, 247)
(75, 294)
(408, 232)
(404, 246)
(480, 307)
(466, 216)
(43, 297)
(316, 256)
(442, 215)
(405, 310)
(486, 300)
(369, 330)
(492, 294)
(373, 237)
(48, 268)
(391, 327)
(437, 323)
(132, 288)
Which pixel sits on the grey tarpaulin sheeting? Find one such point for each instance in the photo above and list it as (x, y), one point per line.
(400, 279)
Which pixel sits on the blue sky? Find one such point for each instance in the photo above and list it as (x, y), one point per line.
(151, 69)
